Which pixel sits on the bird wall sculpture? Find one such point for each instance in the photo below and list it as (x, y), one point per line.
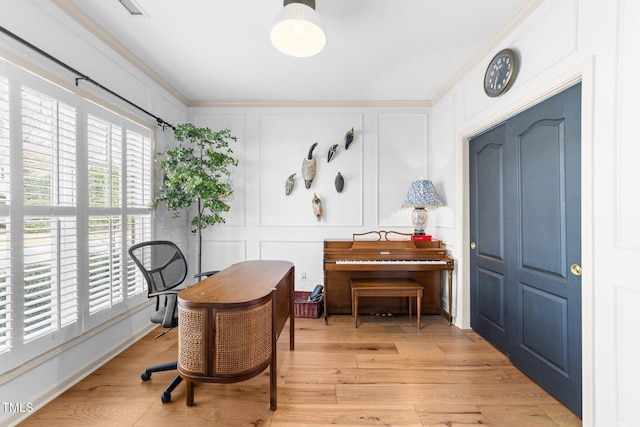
(316, 203)
(348, 138)
(290, 183)
(309, 167)
(339, 181)
(332, 152)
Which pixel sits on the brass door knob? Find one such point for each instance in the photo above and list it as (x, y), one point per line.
(576, 269)
(473, 245)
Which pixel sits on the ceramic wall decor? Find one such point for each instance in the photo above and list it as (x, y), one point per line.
(309, 167)
(316, 203)
(339, 182)
(290, 183)
(332, 152)
(348, 138)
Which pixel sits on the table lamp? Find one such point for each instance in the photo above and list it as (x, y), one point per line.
(422, 194)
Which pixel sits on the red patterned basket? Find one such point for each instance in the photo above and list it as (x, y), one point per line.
(304, 308)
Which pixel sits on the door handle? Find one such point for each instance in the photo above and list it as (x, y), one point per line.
(473, 245)
(576, 269)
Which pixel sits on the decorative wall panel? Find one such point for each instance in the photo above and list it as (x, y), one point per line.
(219, 254)
(627, 147)
(402, 156)
(305, 256)
(628, 353)
(285, 141)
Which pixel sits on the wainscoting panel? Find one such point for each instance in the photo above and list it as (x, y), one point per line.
(306, 257)
(285, 141)
(402, 155)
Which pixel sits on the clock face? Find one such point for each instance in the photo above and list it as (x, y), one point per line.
(501, 73)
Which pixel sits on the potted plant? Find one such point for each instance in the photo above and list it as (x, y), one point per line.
(197, 171)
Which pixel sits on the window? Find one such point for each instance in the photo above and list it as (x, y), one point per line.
(5, 287)
(67, 216)
(5, 242)
(49, 181)
(50, 275)
(104, 145)
(139, 198)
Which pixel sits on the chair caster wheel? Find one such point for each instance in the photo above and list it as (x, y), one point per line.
(146, 376)
(166, 397)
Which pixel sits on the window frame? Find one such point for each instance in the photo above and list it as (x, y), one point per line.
(132, 286)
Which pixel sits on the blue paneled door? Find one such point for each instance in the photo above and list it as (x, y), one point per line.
(525, 243)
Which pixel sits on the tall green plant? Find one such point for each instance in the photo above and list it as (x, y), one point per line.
(197, 171)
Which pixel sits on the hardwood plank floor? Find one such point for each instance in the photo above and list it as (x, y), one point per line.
(385, 373)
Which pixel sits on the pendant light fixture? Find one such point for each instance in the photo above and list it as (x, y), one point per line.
(297, 30)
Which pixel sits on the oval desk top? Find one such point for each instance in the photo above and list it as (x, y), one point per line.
(239, 284)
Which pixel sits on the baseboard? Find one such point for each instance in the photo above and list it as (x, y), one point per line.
(50, 393)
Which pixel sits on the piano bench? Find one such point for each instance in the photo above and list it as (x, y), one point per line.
(385, 288)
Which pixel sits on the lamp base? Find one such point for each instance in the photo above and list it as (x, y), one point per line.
(419, 220)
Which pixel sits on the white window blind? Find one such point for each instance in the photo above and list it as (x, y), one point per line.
(104, 143)
(5, 286)
(104, 148)
(5, 242)
(138, 230)
(50, 275)
(105, 262)
(50, 291)
(49, 150)
(139, 193)
(83, 198)
(139, 156)
(5, 127)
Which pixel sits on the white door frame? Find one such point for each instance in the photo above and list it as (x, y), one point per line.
(583, 73)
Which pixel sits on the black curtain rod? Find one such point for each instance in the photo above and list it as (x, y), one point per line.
(83, 76)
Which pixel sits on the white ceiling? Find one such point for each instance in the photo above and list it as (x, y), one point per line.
(219, 51)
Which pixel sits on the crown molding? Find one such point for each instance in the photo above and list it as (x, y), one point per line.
(525, 11)
(312, 103)
(97, 30)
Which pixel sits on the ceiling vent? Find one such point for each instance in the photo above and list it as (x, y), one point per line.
(131, 7)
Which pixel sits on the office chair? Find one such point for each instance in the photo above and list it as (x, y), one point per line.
(164, 268)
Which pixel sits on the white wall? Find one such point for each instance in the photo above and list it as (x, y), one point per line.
(388, 152)
(566, 41)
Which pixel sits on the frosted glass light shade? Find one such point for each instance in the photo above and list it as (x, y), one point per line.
(297, 31)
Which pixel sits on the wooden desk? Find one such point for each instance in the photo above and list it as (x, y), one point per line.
(386, 288)
(229, 324)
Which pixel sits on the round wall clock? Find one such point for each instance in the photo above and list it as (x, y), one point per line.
(501, 73)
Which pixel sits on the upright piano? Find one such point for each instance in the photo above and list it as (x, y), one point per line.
(385, 255)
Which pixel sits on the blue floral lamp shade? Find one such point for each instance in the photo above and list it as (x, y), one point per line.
(421, 195)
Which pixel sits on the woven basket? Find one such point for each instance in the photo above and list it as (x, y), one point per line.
(304, 308)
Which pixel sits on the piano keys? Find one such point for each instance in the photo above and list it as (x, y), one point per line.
(391, 261)
(385, 256)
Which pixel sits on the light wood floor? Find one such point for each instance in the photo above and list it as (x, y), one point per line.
(385, 373)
